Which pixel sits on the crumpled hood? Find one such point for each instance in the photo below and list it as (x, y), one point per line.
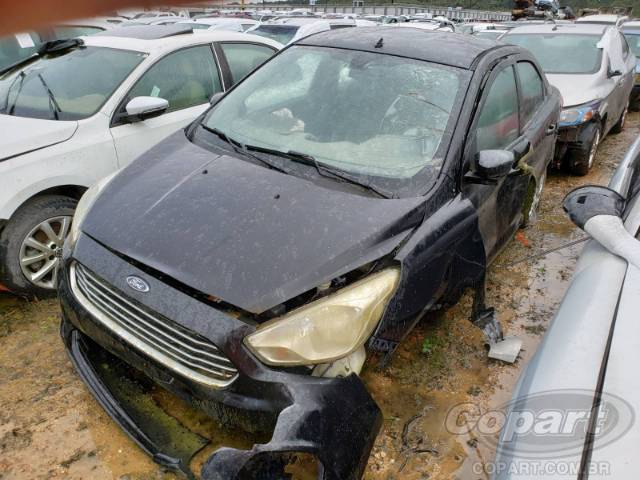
(250, 236)
(22, 135)
(591, 87)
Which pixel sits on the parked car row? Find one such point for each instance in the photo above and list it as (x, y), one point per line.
(289, 210)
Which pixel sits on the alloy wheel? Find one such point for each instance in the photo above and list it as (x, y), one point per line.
(41, 251)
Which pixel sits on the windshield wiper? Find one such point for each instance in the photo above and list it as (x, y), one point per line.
(21, 76)
(242, 149)
(323, 169)
(52, 99)
(222, 135)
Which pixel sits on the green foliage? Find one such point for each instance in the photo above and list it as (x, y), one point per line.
(427, 345)
(431, 344)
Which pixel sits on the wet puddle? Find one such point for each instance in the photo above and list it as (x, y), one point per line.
(50, 426)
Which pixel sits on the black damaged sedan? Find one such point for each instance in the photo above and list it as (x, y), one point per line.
(357, 180)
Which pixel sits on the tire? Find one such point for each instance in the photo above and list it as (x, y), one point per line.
(532, 202)
(26, 237)
(581, 159)
(619, 126)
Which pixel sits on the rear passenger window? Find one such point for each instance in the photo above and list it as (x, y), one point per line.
(498, 124)
(244, 57)
(532, 94)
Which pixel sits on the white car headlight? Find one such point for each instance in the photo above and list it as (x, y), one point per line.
(83, 207)
(329, 328)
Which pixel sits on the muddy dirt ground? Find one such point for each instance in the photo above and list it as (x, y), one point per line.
(51, 427)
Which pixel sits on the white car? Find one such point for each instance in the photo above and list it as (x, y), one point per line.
(232, 24)
(84, 27)
(605, 19)
(162, 20)
(72, 118)
(290, 29)
(431, 25)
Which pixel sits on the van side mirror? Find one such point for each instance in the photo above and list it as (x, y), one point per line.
(586, 202)
(489, 165)
(215, 98)
(614, 73)
(141, 108)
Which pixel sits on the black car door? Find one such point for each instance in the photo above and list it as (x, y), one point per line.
(539, 110)
(496, 126)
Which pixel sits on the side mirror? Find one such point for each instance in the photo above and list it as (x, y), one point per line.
(492, 164)
(589, 201)
(142, 108)
(614, 73)
(215, 98)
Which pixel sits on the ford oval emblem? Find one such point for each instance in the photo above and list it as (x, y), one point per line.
(137, 283)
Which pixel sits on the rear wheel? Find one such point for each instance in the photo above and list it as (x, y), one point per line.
(31, 245)
(581, 159)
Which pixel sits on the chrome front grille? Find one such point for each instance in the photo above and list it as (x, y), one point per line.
(179, 349)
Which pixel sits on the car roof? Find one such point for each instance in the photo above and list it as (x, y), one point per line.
(600, 18)
(101, 22)
(221, 20)
(445, 48)
(297, 21)
(562, 28)
(634, 25)
(184, 37)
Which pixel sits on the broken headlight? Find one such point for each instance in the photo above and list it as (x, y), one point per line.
(326, 329)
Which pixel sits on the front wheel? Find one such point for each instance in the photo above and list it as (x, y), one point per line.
(581, 159)
(31, 245)
(532, 203)
(619, 126)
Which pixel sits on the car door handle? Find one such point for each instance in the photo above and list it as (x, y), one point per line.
(551, 129)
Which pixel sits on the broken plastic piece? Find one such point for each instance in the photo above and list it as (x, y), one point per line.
(487, 321)
(506, 350)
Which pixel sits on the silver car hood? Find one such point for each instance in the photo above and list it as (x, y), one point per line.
(592, 87)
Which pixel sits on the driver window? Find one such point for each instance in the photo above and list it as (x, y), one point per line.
(185, 78)
(498, 124)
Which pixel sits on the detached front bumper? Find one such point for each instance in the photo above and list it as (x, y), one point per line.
(333, 419)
